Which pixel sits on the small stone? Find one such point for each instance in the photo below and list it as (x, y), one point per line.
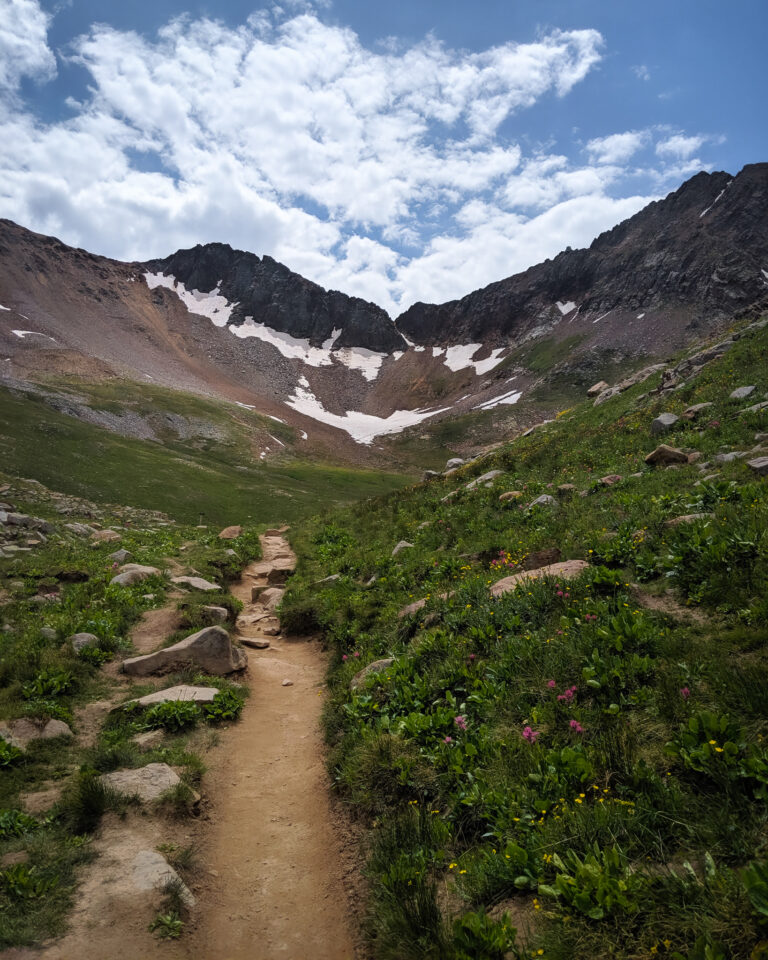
(105, 536)
(693, 412)
(564, 571)
(760, 466)
(402, 545)
(543, 501)
(610, 479)
(454, 463)
(663, 423)
(730, 457)
(741, 393)
(20, 733)
(664, 454)
(756, 407)
(430, 475)
(287, 683)
(484, 478)
(131, 573)
(149, 739)
(230, 533)
(255, 642)
(688, 518)
(14, 859)
(695, 456)
(119, 556)
(150, 871)
(214, 614)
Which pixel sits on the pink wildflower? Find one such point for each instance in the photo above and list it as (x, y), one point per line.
(551, 684)
(559, 593)
(448, 740)
(471, 656)
(460, 722)
(345, 658)
(356, 653)
(531, 735)
(576, 726)
(685, 693)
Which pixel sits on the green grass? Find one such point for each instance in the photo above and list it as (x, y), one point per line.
(222, 485)
(565, 752)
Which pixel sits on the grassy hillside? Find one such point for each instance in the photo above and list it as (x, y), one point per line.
(577, 768)
(218, 479)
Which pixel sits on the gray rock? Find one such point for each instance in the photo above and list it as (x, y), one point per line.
(215, 614)
(120, 556)
(147, 783)
(105, 536)
(149, 739)
(131, 573)
(402, 545)
(376, 667)
(730, 457)
(270, 598)
(430, 475)
(663, 423)
(688, 518)
(484, 478)
(256, 642)
(693, 412)
(151, 871)
(454, 463)
(172, 694)
(48, 633)
(22, 732)
(79, 529)
(210, 649)
(331, 579)
(756, 407)
(741, 393)
(597, 388)
(543, 501)
(80, 641)
(760, 466)
(196, 583)
(664, 455)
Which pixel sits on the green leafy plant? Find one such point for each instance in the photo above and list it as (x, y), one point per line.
(15, 823)
(48, 683)
(598, 885)
(9, 754)
(227, 705)
(25, 883)
(476, 935)
(167, 926)
(175, 715)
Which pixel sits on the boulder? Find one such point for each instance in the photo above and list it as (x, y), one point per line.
(196, 583)
(215, 614)
(402, 545)
(80, 641)
(663, 423)
(210, 649)
(147, 783)
(20, 733)
(376, 667)
(510, 495)
(270, 598)
(693, 412)
(663, 455)
(454, 463)
(741, 393)
(120, 556)
(131, 573)
(230, 533)
(566, 570)
(597, 388)
(760, 466)
(688, 518)
(171, 694)
(543, 501)
(488, 477)
(105, 536)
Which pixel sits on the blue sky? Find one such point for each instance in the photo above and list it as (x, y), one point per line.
(399, 151)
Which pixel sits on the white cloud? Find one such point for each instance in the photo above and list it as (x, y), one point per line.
(24, 50)
(385, 172)
(618, 147)
(679, 146)
(641, 72)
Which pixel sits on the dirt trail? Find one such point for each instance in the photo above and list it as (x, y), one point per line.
(275, 877)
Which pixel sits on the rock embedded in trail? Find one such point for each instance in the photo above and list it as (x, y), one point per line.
(287, 683)
(378, 666)
(664, 454)
(196, 583)
(210, 649)
(151, 871)
(231, 533)
(147, 783)
(402, 545)
(566, 570)
(255, 642)
(663, 423)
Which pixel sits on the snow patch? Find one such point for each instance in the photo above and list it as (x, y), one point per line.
(275, 439)
(565, 307)
(397, 354)
(211, 305)
(601, 317)
(304, 435)
(245, 406)
(639, 316)
(276, 419)
(5, 308)
(506, 398)
(419, 349)
(368, 362)
(436, 351)
(31, 333)
(707, 209)
(362, 427)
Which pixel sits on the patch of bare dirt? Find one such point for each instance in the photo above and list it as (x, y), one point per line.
(667, 604)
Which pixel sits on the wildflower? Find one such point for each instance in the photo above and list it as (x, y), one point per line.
(471, 656)
(576, 726)
(551, 684)
(448, 740)
(712, 743)
(559, 593)
(462, 871)
(685, 693)
(356, 653)
(531, 735)
(452, 866)
(345, 658)
(460, 722)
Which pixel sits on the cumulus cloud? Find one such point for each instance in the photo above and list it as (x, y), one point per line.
(386, 173)
(24, 50)
(679, 147)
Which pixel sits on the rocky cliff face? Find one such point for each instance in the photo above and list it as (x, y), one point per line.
(697, 257)
(268, 292)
